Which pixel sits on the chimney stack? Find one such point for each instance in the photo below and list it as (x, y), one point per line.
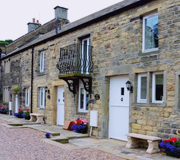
(61, 12)
(33, 25)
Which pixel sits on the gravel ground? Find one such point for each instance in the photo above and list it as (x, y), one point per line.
(27, 144)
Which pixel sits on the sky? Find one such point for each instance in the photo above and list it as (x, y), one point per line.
(15, 14)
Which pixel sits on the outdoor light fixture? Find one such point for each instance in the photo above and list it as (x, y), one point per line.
(129, 86)
(47, 90)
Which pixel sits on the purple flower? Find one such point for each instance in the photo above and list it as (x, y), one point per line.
(16, 114)
(162, 145)
(47, 135)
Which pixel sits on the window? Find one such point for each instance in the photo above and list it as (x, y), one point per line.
(42, 98)
(157, 88)
(142, 88)
(83, 99)
(27, 97)
(42, 62)
(85, 56)
(6, 95)
(7, 66)
(150, 33)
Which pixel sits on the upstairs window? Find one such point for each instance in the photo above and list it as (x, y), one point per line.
(142, 88)
(85, 56)
(7, 66)
(157, 88)
(42, 62)
(42, 98)
(150, 33)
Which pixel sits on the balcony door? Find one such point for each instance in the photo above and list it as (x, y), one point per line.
(85, 56)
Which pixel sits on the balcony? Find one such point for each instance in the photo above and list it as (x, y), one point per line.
(75, 60)
(75, 63)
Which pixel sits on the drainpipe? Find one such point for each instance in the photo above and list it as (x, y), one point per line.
(32, 78)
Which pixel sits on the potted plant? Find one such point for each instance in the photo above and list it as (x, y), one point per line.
(20, 113)
(3, 110)
(15, 90)
(26, 114)
(80, 126)
(171, 147)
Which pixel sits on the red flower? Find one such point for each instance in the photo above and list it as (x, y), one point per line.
(171, 140)
(78, 121)
(73, 123)
(27, 109)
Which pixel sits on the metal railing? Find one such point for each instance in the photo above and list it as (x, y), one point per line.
(75, 58)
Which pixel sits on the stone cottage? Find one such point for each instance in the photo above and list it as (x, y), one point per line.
(122, 61)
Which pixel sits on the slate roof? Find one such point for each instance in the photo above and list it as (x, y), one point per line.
(88, 19)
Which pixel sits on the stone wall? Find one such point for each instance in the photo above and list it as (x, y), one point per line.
(117, 50)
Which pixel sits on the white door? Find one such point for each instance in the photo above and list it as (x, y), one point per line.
(60, 106)
(118, 108)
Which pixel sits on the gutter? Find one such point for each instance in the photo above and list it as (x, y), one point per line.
(32, 78)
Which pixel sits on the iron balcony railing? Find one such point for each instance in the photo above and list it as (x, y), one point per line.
(75, 58)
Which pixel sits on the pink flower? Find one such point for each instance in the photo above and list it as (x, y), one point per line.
(84, 121)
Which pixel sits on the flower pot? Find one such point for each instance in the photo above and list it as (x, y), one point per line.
(20, 116)
(27, 117)
(3, 111)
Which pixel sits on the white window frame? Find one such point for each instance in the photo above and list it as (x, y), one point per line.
(153, 87)
(42, 62)
(139, 100)
(27, 97)
(85, 94)
(43, 98)
(143, 35)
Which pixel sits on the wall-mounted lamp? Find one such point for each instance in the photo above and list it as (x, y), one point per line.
(129, 86)
(47, 90)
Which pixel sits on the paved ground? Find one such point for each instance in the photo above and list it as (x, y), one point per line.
(28, 144)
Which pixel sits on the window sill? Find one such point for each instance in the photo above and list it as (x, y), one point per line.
(41, 108)
(149, 104)
(82, 113)
(149, 53)
(41, 73)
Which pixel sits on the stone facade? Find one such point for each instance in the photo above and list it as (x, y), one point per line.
(117, 50)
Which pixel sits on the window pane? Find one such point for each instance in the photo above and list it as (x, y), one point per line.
(87, 100)
(143, 87)
(151, 32)
(27, 97)
(41, 97)
(159, 87)
(81, 98)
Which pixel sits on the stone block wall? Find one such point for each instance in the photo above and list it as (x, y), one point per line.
(117, 50)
